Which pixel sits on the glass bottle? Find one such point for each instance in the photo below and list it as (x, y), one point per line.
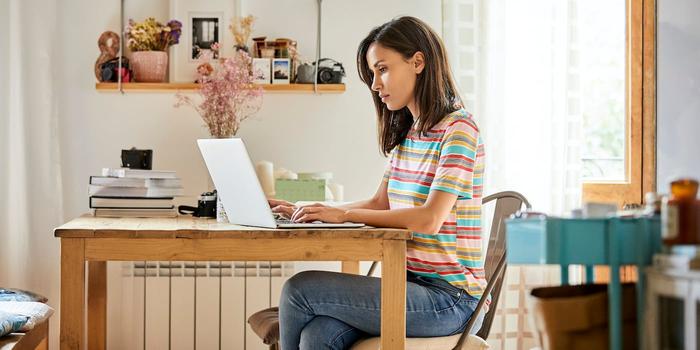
(679, 221)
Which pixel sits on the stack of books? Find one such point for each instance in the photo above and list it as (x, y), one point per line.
(124, 192)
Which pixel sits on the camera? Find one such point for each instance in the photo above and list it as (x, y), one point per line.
(329, 72)
(137, 158)
(109, 71)
(206, 206)
(332, 72)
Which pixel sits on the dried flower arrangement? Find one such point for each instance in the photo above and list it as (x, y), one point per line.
(151, 35)
(241, 29)
(228, 95)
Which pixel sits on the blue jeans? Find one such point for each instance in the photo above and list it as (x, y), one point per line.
(330, 310)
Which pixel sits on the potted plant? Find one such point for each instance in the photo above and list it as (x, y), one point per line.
(149, 41)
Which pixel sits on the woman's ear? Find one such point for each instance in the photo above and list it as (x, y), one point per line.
(418, 62)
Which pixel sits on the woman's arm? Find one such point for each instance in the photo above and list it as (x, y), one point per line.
(427, 218)
(379, 201)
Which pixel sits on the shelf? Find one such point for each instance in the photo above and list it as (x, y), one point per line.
(157, 87)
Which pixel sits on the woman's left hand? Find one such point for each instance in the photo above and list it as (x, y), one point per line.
(320, 213)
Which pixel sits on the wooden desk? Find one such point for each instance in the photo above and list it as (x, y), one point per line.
(98, 240)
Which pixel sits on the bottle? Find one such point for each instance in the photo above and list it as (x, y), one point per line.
(679, 222)
(652, 204)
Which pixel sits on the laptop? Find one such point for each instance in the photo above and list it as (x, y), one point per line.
(239, 190)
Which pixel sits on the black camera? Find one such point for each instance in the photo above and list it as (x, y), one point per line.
(329, 72)
(206, 206)
(109, 71)
(137, 158)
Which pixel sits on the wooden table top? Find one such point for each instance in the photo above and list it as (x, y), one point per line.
(88, 226)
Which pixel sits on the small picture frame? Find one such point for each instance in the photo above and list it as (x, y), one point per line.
(205, 31)
(281, 70)
(262, 71)
(203, 23)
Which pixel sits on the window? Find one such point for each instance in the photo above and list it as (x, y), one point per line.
(640, 112)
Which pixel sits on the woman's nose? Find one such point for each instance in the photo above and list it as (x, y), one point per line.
(376, 84)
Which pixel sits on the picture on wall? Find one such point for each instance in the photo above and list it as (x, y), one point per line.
(280, 70)
(203, 24)
(205, 32)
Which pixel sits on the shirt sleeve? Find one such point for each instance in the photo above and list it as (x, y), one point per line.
(455, 171)
(389, 166)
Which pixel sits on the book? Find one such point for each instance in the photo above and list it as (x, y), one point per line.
(134, 213)
(134, 192)
(139, 173)
(134, 182)
(131, 203)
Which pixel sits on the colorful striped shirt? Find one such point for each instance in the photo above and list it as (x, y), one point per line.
(449, 158)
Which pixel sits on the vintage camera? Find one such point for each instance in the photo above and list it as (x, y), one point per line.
(109, 70)
(137, 158)
(329, 72)
(206, 206)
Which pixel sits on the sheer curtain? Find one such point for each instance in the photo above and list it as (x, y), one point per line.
(30, 181)
(515, 64)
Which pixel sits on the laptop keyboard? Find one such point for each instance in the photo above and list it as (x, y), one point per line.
(285, 221)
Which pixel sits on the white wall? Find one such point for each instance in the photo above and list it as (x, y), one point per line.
(678, 88)
(301, 132)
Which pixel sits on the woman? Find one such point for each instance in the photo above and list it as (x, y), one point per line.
(432, 186)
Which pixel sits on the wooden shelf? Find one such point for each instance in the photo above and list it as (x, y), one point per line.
(156, 87)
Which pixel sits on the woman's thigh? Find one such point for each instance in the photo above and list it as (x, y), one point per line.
(356, 301)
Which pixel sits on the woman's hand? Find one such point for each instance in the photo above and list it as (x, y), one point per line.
(283, 208)
(319, 212)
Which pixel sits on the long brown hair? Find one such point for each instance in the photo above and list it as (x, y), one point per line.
(435, 93)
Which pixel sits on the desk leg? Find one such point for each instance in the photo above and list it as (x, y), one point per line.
(615, 308)
(352, 267)
(564, 272)
(72, 293)
(97, 305)
(641, 304)
(590, 279)
(393, 328)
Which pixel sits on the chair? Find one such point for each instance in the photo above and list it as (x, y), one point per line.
(265, 323)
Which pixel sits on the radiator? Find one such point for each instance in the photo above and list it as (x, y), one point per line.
(188, 305)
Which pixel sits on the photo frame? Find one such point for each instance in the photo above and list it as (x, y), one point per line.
(262, 70)
(281, 70)
(203, 22)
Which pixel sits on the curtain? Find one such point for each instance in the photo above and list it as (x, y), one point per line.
(513, 62)
(30, 181)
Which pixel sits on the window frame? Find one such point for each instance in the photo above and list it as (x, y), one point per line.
(640, 112)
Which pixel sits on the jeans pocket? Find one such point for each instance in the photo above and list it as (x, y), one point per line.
(442, 299)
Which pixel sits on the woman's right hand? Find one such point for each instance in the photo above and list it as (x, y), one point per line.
(283, 208)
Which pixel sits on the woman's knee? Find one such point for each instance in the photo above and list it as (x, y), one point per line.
(300, 282)
(324, 333)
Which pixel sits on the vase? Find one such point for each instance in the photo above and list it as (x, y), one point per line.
(149, 66)
(241, 48)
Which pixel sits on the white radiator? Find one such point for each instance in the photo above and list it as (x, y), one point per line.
(188, 305)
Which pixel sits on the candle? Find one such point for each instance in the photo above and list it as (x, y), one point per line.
(264, 170)
(337, 191)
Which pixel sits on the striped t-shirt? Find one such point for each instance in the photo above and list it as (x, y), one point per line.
(449, 158)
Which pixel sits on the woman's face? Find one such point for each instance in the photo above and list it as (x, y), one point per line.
(394, 76)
